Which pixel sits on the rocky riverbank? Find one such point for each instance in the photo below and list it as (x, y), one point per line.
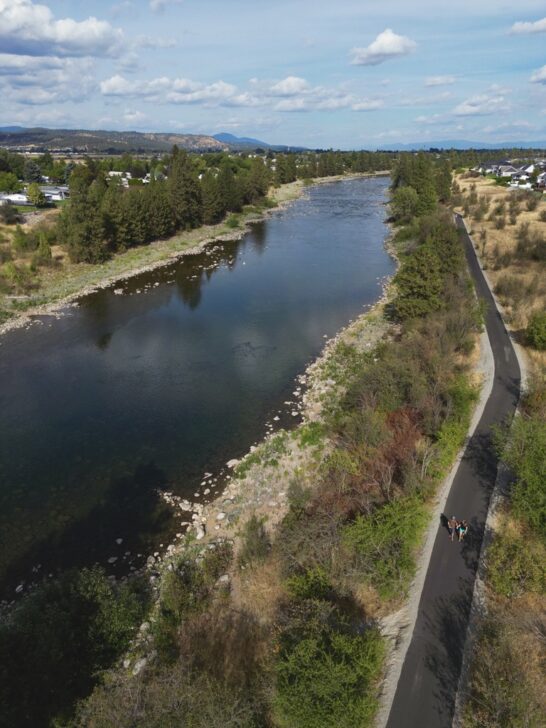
(258, 484)
(62, 288)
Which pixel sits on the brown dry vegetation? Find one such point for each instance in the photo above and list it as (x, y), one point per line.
(518, 280)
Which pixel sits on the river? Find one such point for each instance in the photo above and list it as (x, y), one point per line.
(152, 382)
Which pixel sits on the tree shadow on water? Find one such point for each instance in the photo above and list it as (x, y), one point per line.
(130, 510)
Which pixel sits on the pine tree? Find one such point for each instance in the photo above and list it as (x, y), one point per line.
(213, 207)
(184, 191)
(419, 284)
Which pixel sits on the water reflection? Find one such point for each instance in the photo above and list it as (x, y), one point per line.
(164, 376)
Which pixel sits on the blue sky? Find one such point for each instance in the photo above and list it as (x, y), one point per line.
(342, 74)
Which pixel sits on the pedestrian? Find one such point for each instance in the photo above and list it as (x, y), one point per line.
(462, 529)
(451, 527)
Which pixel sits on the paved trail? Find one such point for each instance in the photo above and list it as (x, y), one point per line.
(425, 695)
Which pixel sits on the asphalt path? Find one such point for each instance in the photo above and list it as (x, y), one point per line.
(426, 691)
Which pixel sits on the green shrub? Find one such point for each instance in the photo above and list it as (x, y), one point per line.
(56, 640)
(525, 453)
(328, 679)
(233, 221)
(516, 565)
(501, 696)
(312, 584)
(536, 331)
(18, 276)
(311, 434)
(256, 542)
(383, 544)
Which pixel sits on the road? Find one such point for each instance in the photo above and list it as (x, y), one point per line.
(425, 695)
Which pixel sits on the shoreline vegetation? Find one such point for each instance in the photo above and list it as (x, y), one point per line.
(60, 289)
(506, 675)
(106, 234)
(268, 612)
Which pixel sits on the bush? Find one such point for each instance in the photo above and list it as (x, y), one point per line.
(525, 453)
(501, 693)
(312, 584)
(382, 544)
(58, 638)
(536, 331)
(515, 566)
(18, 276)
(9, 215)
(256, 542)
(328, 677)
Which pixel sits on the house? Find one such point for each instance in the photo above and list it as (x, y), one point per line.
(506, 170)
(16, 198)
(54, 194)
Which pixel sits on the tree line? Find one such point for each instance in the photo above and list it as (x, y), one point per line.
(185, 192)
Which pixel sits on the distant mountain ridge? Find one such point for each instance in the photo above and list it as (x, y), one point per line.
(236, 142)
(460, 144)
(232, 139)
(99, 141)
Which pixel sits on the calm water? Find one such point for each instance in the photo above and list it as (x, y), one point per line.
(128, 394)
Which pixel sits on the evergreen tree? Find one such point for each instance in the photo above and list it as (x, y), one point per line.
(419, 284)
(213, 205)
(184, 191)
(163, 219)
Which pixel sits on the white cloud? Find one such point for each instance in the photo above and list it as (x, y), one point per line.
(440, 80)
(134, 117)
(484, 104)
(539, 26)
(431, 120)
(30, 29)
(159, 5)
(513, 126)
(368, 105)
(539, 76)
(289, 86)
(32, 80)
(387, 45)
(289, 94)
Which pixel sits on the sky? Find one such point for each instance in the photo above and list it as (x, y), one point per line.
(344, 74)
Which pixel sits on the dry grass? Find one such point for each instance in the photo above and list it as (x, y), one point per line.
(259, 590)
(526, 289)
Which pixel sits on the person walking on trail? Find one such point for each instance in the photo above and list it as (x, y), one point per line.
(462, 529)
(451, 527)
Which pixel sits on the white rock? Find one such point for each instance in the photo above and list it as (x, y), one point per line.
(220, 516)
(19, 589)
(139, 665)
(232, 463)
(199, 532)
(112, 559)
(119, 541)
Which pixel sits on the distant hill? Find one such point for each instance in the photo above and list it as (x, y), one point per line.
(461, 144)
(233, 140)
(115, 142)
(243, 143)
